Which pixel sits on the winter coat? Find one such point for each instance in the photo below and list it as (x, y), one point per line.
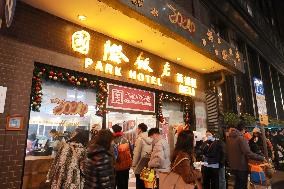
(256, 147)
(214, 152)
(99, 172)
(185, 169)
(143, 146)
(160, 156)
(238, 151)
(66, 170)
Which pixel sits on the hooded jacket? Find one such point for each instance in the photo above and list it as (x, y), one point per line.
(143, 146)
(160, 156)
(239, 151)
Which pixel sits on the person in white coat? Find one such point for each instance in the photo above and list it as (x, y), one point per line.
(160, 156)
(143, 147)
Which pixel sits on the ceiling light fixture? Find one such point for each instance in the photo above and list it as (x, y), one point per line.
(203, 69)
(82, 17)
(178, 58)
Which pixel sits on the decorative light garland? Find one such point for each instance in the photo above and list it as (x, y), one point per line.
(185, 100)
(70, 78)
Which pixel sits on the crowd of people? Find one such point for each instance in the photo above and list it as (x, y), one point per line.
(104, 162)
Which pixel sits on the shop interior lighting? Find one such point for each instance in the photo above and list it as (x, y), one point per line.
(82, 17)
(178, 58)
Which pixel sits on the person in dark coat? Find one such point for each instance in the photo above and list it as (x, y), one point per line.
(99, 170)
(214, 155)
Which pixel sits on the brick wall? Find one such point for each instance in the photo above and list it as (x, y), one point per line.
(16, 69)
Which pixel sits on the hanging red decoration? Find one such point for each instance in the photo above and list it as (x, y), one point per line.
(60, 75)
(185, 100)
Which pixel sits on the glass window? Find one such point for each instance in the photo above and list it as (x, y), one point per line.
(173, 115)
(63, 108)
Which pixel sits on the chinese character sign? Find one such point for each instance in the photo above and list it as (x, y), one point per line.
(187, 85)
(260, 97)
(258, 85)
(114, 53)
(80, 42)
(143, 64)
(126, 98)
(113, 57)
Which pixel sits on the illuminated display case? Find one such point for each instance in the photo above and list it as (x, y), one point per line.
(64, 108)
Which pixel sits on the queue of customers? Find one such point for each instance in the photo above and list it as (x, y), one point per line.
(105, 161)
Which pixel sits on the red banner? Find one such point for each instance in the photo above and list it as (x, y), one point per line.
(125, 98)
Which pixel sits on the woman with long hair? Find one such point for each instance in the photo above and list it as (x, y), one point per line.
(184, 154)
(66, 170)
(99, 170)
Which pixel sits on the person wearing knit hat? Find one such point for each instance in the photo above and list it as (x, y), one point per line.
(256, 130)
(123, 156)
(256, 142)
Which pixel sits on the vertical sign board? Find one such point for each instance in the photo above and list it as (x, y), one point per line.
(3, 91)
(7, 10)
(260, 99)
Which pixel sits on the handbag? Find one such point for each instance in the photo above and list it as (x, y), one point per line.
(142, 163)
(172, 180)
(147, 174)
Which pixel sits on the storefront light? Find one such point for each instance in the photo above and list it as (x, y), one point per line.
(88, 62)
(114, 53)
(82, 17)
(143, 64)
(81, 42)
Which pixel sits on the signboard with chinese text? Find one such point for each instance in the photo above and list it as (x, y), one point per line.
(7, 7)
(139, 67)
(169, 14)
(125, 98)
(260, 101)
(260, 97)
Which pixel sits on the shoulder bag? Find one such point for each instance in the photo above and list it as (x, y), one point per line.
(172, 180)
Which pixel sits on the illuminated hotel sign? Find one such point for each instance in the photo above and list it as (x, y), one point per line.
(114, 57)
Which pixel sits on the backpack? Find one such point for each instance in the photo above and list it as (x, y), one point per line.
(123, 156)
(257, 175)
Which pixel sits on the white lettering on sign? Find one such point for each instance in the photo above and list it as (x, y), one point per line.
(166, 70)
(108, 68)
(117, 96)
(187, 90)
(143, 64)
(81, 42)
(114, 53)
(187, 85)
(144, 78)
